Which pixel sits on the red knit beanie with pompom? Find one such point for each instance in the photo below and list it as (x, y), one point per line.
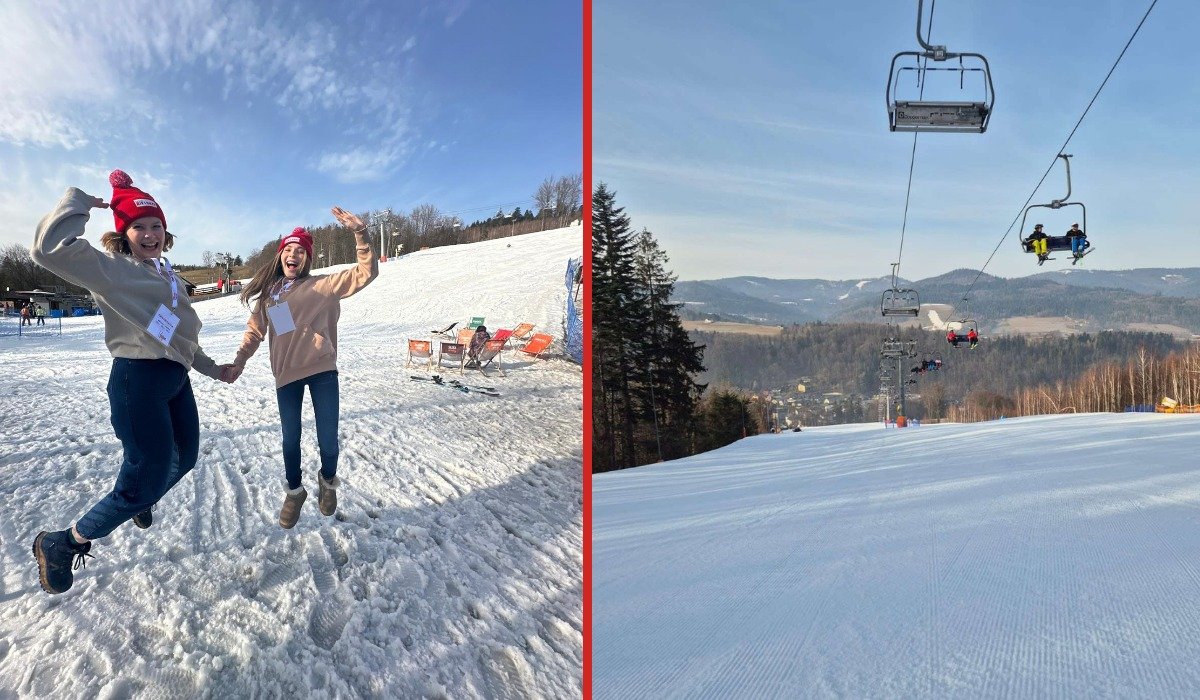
(298, 235)
(129, 203)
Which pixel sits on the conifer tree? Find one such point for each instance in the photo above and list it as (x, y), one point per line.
(665, 356)
(614, 324)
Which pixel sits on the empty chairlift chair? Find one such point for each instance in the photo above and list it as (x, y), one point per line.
(900, 302)
(922, 114)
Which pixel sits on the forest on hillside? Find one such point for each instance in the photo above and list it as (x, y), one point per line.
(845, 358)
(992, 300)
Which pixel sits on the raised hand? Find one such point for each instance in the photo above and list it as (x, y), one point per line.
(349, 220)
(98, 203)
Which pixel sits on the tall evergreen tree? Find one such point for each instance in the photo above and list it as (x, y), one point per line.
(666, 359)
(615, 316)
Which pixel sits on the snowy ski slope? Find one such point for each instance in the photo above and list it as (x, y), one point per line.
(1036, 557)
(453, 567)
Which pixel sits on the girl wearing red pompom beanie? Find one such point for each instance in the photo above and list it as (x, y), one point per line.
(153, 335)
(298, 312)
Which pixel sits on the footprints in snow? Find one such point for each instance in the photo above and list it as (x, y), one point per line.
(332, 606)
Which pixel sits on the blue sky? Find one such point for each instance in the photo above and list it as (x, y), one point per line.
(756, 142)
(245, 118)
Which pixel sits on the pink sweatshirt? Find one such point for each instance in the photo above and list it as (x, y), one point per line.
(315, 305)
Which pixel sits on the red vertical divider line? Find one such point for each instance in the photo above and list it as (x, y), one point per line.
(587, 348)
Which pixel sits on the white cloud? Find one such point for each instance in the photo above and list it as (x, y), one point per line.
(360, 164)
(454, 9)
(387, 144)
(69, 82)
(410, 44)
(38, 127)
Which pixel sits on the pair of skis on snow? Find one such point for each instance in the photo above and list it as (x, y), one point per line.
(457, 385)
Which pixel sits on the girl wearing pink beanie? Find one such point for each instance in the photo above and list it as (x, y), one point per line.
(297, 313)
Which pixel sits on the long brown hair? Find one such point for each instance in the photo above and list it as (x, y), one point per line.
(118, 243)
(270, 272)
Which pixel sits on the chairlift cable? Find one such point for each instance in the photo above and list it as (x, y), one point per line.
(1062, 148)
(913, 156)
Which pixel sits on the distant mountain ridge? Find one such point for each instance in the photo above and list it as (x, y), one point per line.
(1093, 299)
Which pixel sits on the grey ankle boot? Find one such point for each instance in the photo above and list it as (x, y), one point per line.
(290, 513)
(327, 498)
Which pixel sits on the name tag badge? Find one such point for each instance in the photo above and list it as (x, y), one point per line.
(163, 325)
(281, 318)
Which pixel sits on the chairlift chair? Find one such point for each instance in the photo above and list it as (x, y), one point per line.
(900, 302)
(1055, 243)
(894, 348)
(939, 115)
(963, 336)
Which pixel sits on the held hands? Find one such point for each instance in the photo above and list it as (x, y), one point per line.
(230, 373)
(349, 220)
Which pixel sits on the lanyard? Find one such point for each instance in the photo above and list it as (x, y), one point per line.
(282, 289)
(164, 263)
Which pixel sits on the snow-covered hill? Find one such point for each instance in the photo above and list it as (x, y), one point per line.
(1037, 557)
(453, 567)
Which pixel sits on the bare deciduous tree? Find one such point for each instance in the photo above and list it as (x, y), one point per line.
(543, 199)
(425, 220)
(568, 195)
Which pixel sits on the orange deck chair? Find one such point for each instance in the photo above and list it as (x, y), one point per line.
(538, 344)
(421, 350)
(522, 331)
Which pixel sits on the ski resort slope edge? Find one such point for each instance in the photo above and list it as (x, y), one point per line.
(1052, 556)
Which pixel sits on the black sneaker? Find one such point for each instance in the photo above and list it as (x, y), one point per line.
(57, 555)
(144, 519)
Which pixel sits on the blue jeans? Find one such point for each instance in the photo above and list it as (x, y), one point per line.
(154, 416)
(1078, 244)
(323, 388)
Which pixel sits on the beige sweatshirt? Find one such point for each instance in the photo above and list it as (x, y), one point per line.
(128, 292)
(315, 305)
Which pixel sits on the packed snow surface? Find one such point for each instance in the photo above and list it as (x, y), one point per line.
(453, 567)
(1035, 557)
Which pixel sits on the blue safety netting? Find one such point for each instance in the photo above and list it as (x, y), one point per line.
(574, 312)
